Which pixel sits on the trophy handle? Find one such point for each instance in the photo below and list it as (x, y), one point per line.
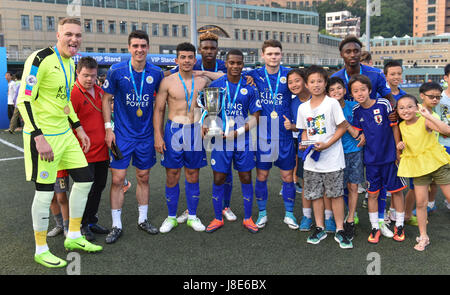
(200, 95)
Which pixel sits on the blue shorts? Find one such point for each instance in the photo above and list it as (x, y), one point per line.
(142, 151)
(379, 176)
(242, 160)
(281, 153)
(354, 168)
(184, 146)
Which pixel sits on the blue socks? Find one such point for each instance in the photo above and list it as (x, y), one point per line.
(381, 203)
(289, 196)
(172, 196)
(261, 194)
(247, 194)
(228, 190)
(346, 196)
(217, 199)
(192, 196)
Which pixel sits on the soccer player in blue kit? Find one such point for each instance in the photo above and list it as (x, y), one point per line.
(239, 99)
(275, 143)
(180, 141)
(133, 84)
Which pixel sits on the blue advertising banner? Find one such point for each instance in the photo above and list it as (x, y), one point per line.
(4, 121)
(112, 58)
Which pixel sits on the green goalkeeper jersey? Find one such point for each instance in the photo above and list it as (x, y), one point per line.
(42, 99)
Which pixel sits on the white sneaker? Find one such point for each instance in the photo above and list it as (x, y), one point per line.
(385, 231)
(168, 224)
(183, 217)
(229, 215)
(196, 224)
(55, 231)
(290, 222)
(261, 222)
(361, 189)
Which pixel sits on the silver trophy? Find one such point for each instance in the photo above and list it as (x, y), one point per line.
(212, 107)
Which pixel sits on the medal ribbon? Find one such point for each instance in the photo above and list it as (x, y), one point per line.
(65, 74)
(273, 95)
(215, 69)
(230, 103)
(134, 83)
(346, 75)
(186, 92)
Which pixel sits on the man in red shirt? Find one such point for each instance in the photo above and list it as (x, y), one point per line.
(86, 100)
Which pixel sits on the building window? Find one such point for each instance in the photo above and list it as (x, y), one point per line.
(89, 49)
(174, 30)
(50, 23)
(260, 35)
(431, 18)
(244, 34)
(184, 31)
(275, 35)
(38, 23)
(101, 50)
(288, 37)
(281, 36)
(237, 34)
(88, 25)
(431, 2)
(123, 50)
(155, 29)
(113, 50)
(100, 26)
(267, 35)
(431, 27)
(165, 30)
(123, 27)
(295, 38)
(25, 22)
(252, 35)
(145, 27)
(134, 26)
(112, 27)
(431, 9)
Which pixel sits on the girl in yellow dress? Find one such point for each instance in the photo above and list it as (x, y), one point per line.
(423, 158)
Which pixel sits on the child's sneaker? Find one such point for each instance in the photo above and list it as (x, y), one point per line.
(343, 241)
(262, 219)
(364, 202)
(330, 225)
(306, 224)
(250, 225)
(385, 231)
(57, 230)
(412, 221)
(374, 236)
(399, 234)
(349, 229)
(318, 235)
(356, 219)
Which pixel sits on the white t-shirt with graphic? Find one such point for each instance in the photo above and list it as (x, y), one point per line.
(320, 124)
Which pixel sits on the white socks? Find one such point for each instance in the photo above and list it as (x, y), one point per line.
(307, 212)
(373, 217)
(116, 218)
(143, 209)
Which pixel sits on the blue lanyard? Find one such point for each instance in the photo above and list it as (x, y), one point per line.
(346, 75)
(273, 95)
(235, 93)
(215, 69)
(64, 70)
(186, 92)
(134, 83)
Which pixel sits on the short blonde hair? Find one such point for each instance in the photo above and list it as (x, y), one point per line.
(69, 20)
(208, 36)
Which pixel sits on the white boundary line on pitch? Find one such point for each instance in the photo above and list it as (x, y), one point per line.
(11, 145)
(8, 159)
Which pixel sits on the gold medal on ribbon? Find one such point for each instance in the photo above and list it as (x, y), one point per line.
(139, 112)
(66, 110)
(274, 115)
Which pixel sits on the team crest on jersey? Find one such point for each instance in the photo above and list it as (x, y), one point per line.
(106, 84)
(213, 162)
(31, 80)
(244, 91)
(283, 80)
(376, 111)
(149, 79)
(44, 174)
(378, 119)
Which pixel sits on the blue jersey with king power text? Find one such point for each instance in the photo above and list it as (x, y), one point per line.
(247, 101)
(127, 124)
(374, 122)
(282, 102)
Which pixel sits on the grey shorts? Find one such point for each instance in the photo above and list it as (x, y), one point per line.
(354, 168)
(62, 184)
(319, 184)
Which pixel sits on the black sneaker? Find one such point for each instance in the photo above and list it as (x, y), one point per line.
(86, 232)
(98, 229)
(147, 227)
(349, 229)
(343, 241)
(113, 235)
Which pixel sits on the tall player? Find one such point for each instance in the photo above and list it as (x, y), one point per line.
(275, 143)
(180, 141)
(49, 143)
(240, 99)
(133, 84)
